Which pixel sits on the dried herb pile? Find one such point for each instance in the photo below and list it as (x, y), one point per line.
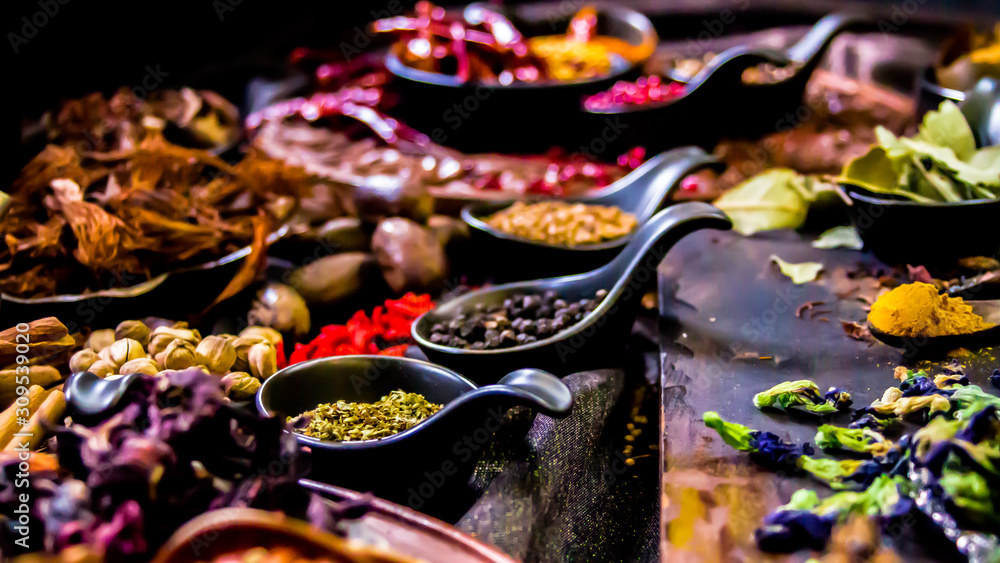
(80, 222)
(115, 491)
(351, 422)
(199, 118)
(942, 476)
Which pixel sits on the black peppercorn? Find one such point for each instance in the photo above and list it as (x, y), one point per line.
(520, 319)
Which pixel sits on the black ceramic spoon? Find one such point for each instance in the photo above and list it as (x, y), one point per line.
(89, 397)
(468, 414)
(717, 103)
(519, 117)
(988, 309)
(592, 342)
(641, 193)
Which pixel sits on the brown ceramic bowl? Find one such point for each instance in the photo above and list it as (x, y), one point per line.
(411, 537)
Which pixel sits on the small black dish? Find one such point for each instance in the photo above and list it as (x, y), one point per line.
(901, 231)
(517, 118)
(738, 109)
(913, 346)
(642, 193)
(447, 443)
(154, 297)
(594, 341)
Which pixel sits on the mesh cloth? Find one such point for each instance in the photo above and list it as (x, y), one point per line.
(565, 492)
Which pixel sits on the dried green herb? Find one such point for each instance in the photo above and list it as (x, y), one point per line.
(351, 422)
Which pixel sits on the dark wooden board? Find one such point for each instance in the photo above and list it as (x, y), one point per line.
(720, 298)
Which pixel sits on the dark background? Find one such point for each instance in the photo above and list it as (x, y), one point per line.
(90, 45)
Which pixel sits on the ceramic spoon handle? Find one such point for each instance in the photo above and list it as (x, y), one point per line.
(727, 68)
(648, 187)
(638, 261)
(528, 387)
(811, 47)
(539, 389)
(981, 109)
(725, 72)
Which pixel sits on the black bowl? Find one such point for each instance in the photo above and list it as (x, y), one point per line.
(158, 296)
(445, 447)
(518, 118)
(898, 230)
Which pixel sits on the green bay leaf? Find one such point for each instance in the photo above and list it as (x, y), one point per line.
(948, 128)
(775, 199)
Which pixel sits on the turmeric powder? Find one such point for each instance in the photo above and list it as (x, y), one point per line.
(917, 309)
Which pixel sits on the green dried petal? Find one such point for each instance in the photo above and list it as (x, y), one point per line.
(736, 435)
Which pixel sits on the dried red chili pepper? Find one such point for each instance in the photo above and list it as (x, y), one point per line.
(388, 324)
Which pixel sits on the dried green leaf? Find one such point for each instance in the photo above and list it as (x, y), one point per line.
(800, 273)
(776, 199)
(948, 128)
(844, 236)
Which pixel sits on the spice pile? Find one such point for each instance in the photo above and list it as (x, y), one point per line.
(919, 310)
(81, 223)
(485, 46)
(117, 490)
(943, 469)
(520, 319)
(352, 422)
(647, 90)
(384, 333)
(240, 362)
(939, 164)
(359, 140)
(563, 223)
(194, 118)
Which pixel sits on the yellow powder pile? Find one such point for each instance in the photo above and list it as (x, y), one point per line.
(917, 309)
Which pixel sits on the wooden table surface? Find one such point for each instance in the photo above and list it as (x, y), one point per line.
(729, 330)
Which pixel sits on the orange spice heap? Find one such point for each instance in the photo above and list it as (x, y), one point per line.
(917, 309)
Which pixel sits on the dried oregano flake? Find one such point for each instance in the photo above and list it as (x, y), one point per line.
(351, 422)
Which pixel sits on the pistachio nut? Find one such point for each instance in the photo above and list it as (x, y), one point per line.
(265, 332)
(164, 335)
(242, 346)
(100, 339)
(136, 330)
(125, 350)
(263, 360)
(240, 386)
(179, 354)
(140, 365)
(82, 360)
(102, 369)
(216, 353)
